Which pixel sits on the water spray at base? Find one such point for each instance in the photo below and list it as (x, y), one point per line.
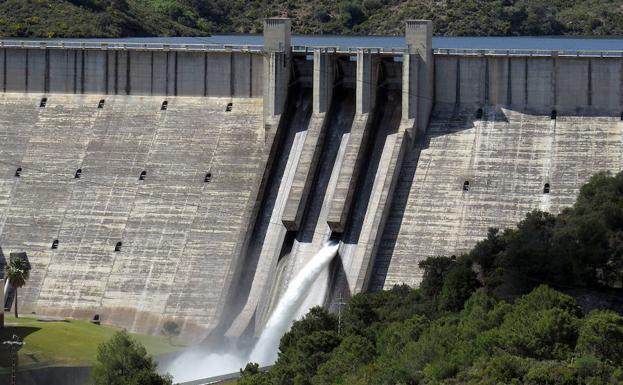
(195, 365)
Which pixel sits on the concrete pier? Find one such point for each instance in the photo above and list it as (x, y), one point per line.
(374, 194)
(418, 75)
(270, 233)
(366, 84)
(276, 61)
(323, 81)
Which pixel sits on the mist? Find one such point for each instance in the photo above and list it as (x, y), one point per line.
(196, 364)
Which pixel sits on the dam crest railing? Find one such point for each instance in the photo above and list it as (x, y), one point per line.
(526, 52)
(389, 51)
(31, 44)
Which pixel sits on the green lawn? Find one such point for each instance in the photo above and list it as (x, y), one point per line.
(71, 342)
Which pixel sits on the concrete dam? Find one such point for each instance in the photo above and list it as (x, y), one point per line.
(150, 182)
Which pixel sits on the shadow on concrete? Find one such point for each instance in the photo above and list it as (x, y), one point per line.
(394, 220)
(386, 121)
(51, 375)
(445, 120)
(6, 334)
(339, 292)
(340, 119)
(2, 262)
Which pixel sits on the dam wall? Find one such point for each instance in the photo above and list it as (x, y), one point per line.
(153, 182)
(536, 83)
(505, 125)
(134, 251)
(130, 176)
(126, 69)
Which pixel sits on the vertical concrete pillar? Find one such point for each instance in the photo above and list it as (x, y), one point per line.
(302, 183)
(410, 84)
(484, 80)
(276, 64)
(324, 70)
(366, 81)
(355, 152)
(417, 74)
(554, 86)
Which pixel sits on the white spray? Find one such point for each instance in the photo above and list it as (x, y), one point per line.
(265, 350)
(6, 291)
(194, 365)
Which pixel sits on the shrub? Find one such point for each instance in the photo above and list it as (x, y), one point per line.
(601, 336)
(124, 361)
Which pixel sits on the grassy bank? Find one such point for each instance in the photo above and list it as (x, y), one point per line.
(70, 342)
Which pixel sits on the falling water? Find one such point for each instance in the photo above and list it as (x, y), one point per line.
(195, 364)
(265, 350)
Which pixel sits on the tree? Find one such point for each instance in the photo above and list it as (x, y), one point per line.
(352, 353)
(317, 319)
(435, 268)
(297, 364)
(392, 339)
(124, 361)
(458, 285)
(308, 344)
(601, 336)
(17, 272)
(252, 375)
(171, 329)
(542, 325)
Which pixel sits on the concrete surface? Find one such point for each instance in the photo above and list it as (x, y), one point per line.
(178, 232)
(131, 72)
(507, 157)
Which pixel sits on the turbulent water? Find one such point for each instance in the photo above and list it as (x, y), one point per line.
(196, 364)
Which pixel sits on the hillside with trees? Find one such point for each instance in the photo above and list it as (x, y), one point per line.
(538, 304)
(121, 18)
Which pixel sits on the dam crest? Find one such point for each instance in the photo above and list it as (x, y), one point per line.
(153, 181)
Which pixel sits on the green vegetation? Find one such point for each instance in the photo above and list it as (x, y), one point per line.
(124, 361)
(117, 18)
(86, 18)
(71, 342)
(17, 273)
(487, 317)
(170, 329)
